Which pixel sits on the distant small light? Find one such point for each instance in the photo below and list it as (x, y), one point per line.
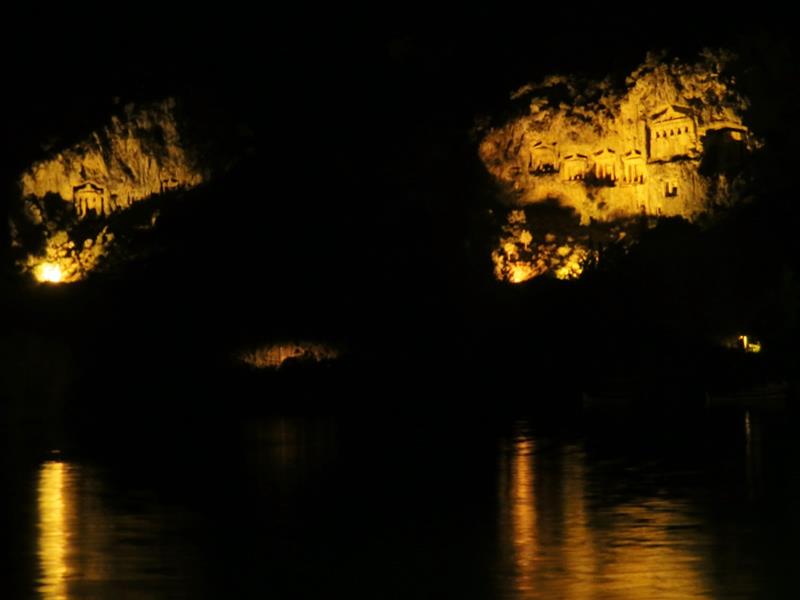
(743, 342)
(49, 273)
(753, 346)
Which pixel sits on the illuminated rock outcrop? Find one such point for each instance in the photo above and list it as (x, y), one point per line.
(273, 356)
(666, 143)
(64, 261)
(139, 155)
(521, 255)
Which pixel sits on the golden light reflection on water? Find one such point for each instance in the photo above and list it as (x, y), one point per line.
(564, 541)
(53, 533)
(523, 513)
(87, 547)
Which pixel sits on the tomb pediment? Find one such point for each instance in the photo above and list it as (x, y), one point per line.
(574, 167)
(633, 156)
(544, 150)
(542, 158)
(87, 188)
(89, 196)
(670, 112)
(605, 154)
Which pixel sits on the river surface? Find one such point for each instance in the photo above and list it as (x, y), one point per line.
(701, 506)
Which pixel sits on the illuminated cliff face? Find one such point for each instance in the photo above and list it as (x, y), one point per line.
(272, 356)
(136, 156)
(89, 545)
(521, 255)
(64, 261)
(139, 155)
(667, 144)
(560, 542)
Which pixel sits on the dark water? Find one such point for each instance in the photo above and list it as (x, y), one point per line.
(608, 507)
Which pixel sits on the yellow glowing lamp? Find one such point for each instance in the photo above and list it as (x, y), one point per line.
(49, 272)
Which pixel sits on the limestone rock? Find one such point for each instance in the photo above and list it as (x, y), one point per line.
(64, 262)
(138, 155)
(663, 144)
(520, 256)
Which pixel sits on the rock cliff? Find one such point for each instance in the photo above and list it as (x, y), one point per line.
(670, 141)
(137, 156)
(662, 144)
